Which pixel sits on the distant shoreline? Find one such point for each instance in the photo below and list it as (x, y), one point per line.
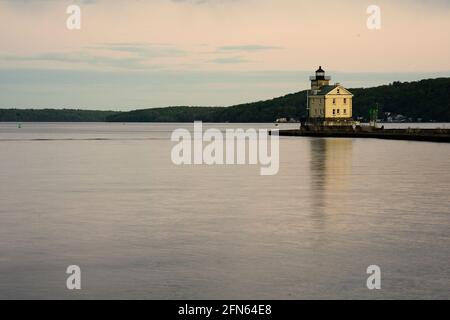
(218, 122)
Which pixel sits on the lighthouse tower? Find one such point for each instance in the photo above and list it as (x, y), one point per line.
(319, 80)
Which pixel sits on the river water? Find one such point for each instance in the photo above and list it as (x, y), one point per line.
(108, 198)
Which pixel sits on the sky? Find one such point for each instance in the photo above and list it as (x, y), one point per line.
(133, 54)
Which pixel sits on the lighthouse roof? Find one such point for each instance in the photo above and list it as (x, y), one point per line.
(320, 69)
(327, 89)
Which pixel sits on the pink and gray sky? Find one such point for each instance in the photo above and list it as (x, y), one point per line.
(149, 53)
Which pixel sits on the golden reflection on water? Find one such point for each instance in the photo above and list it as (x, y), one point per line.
(331, 170)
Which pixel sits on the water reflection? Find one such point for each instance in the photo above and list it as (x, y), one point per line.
(142, 228)
(331, 168)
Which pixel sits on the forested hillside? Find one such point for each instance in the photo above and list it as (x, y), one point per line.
(425, 100)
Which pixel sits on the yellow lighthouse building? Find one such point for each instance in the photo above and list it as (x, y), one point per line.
(329, 105)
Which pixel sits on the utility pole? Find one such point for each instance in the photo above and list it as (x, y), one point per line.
(373, 115)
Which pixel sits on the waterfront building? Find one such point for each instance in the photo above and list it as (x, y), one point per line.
(327, 104)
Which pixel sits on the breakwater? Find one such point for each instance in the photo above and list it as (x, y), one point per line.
(414, 134)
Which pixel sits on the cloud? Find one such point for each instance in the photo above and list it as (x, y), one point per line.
(81, 57)
(230, 60)
(137, 55)
(248, 48)
(142, 49)
(127, 89)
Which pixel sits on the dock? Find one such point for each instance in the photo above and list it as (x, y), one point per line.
(416, 134)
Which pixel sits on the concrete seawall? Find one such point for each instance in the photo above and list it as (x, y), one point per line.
(432, 135)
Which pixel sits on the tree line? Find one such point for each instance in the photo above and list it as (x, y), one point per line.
(425, 100)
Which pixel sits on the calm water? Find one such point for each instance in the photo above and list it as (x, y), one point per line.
(141, 227)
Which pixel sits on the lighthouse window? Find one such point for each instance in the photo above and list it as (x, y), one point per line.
(345, 110)
(338, 91)
(338, 111)
(334, 111)
(345, 100)
(334, 101)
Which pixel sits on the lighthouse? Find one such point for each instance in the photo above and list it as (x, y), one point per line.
(328, 105)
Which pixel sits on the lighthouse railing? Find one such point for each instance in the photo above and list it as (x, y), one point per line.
(312, 78)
